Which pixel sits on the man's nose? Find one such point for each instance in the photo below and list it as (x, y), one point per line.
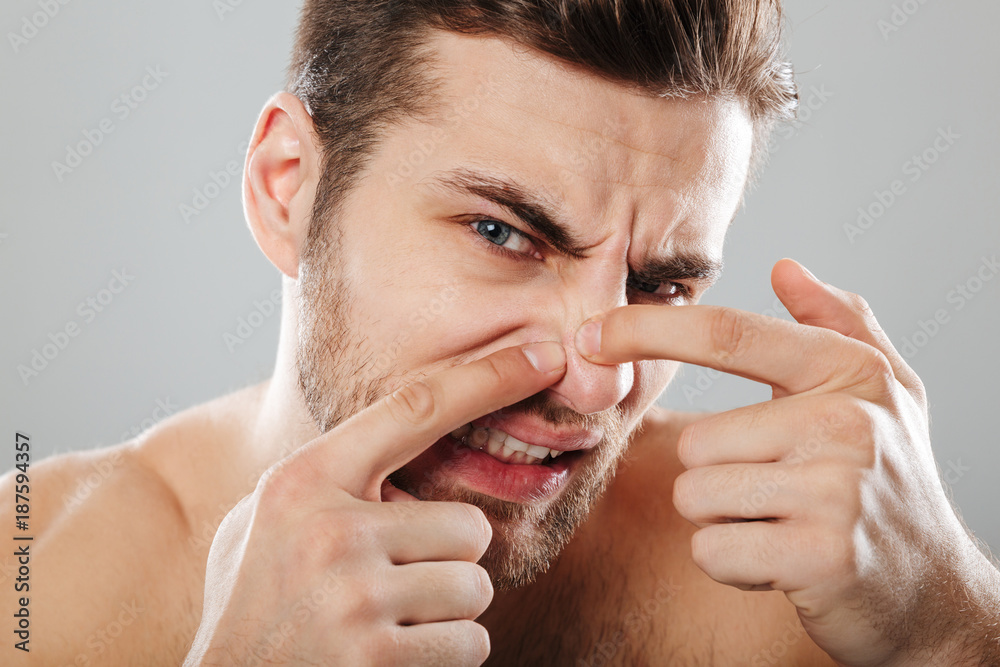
(587, 387)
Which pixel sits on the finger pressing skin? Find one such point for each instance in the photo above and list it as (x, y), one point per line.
(442, 591)
(361, 452)
(791, 357)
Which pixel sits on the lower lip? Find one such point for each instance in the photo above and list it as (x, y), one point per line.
(515, 482)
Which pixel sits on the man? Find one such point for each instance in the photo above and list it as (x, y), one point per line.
(493, 221)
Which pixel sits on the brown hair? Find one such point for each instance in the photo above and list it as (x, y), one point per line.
(359, 65)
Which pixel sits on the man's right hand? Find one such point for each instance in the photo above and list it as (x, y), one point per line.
(312, 568)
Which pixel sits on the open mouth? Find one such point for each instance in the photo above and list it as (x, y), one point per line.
(481, 456)
(503, 446)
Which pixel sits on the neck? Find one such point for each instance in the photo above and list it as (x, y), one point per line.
(280, 420)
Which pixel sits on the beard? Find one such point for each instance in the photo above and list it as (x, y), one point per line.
(341, 374)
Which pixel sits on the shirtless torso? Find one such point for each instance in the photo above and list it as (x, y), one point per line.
(118, 562)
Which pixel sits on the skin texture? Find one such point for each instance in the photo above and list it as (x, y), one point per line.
(243, 531)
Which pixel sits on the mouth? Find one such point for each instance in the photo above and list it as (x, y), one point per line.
(503, 446)
(489, 460)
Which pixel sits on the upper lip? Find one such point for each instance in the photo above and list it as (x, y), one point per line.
(535, 431)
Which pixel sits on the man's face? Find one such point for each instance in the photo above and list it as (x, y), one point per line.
(540, 197)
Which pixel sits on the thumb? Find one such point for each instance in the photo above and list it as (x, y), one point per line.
(392, 494)
(814, 302)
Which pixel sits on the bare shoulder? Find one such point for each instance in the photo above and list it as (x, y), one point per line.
(107, 558)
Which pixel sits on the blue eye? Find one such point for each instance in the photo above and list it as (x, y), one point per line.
(505, 239)
(494, 231)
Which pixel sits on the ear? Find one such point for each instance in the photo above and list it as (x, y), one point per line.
(279, 180)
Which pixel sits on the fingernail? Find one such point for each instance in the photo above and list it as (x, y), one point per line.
(545, 357)
(588, 338)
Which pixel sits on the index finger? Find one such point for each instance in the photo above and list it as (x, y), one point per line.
(361, 451)
(791, 356)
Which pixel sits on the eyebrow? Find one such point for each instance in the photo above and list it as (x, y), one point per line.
(541, 215)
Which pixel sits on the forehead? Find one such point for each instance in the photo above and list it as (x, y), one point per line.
(669, 170)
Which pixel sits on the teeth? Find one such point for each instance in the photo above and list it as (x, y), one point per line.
(494, 447)
(478, 438)
(519, 446)
(502, 446)
(537, 451)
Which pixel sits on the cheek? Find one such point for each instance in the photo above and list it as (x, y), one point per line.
(434, 321)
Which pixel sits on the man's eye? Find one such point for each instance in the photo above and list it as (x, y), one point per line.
(668, 291)
(505, 236)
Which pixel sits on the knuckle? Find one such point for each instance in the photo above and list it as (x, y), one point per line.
(849, 418)
(687, 450)
(835, 551)
(838, 487)
(338, 536)
(702, 549)
(279, 486)
(731, 334)
(684, 493)
(476, 639)
(493, 371)
(383, 646)
(480, 531)
(412, 404)
(860, 305)
(873, 368)
(478, 586)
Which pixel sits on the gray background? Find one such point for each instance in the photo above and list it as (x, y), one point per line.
(873, 99)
